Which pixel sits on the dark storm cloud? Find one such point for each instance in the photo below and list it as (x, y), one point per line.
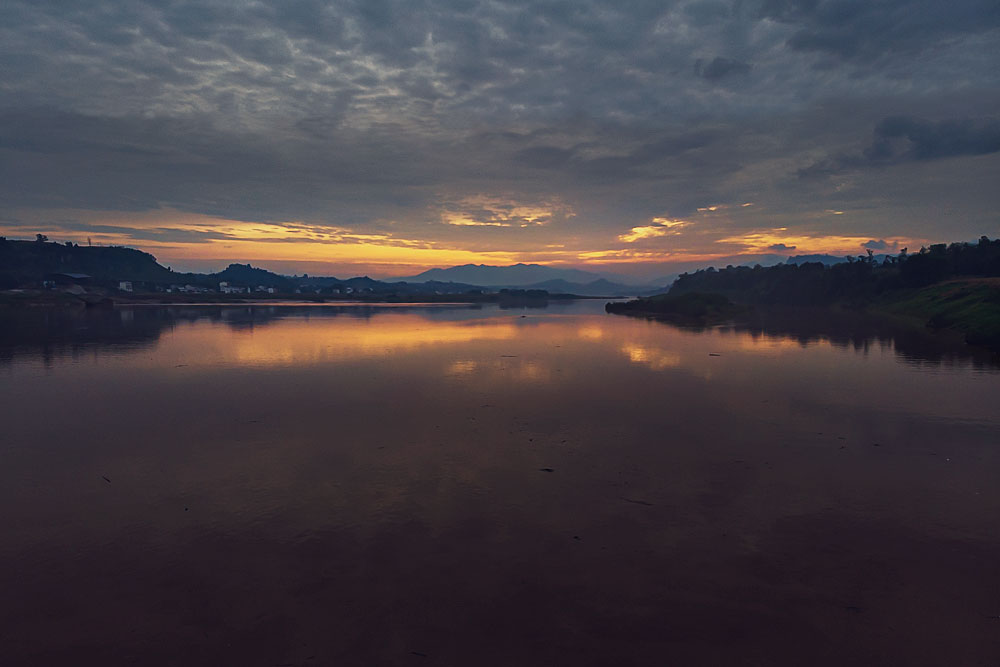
(928, 140)
(544, 157)
(899, 139)
(367, 113)
(67, 159)
(880, 244)
(634, 154)
(866, 29)
(780, 247)
(719, 67)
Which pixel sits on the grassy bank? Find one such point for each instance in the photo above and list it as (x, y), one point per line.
(970, 306)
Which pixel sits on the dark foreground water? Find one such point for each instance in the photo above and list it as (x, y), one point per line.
(473, 486)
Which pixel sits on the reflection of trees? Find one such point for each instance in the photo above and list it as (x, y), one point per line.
(863, 331)
(68, 332)
(51, 333)
(855, 330)
(247, 317)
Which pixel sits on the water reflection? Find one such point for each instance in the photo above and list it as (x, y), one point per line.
(863, 333)
(655, 358)
(769, 331)
(359, 485)
(371, 329)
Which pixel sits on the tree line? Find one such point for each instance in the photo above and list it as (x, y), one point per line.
(855, 279)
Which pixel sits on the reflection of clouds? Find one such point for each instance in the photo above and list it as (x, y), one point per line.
(532, 371)
(653, 357)
(591, 332)
(294, 342)
(510, 370)
(462, 367)
(504, 370)
(766, 343)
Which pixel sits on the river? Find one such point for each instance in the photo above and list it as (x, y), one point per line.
(470, 485)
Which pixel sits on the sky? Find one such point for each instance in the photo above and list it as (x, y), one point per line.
(385, 137)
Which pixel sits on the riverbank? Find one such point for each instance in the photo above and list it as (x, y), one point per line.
(969, 306)
(965, 308)
(91, 298)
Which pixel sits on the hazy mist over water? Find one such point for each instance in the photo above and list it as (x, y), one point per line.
(366, 485)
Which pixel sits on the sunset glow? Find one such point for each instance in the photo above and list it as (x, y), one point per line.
(348, 155)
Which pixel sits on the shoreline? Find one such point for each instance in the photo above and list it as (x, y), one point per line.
(63, 299)
(953, 311)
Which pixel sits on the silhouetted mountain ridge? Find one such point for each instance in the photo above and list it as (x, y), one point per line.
(515, 275)
(29, 263)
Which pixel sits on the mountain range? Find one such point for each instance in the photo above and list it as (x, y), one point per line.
(516, 275)
(538, 276)
(578, 281)
(26, 261)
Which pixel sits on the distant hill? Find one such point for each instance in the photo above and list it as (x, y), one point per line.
(516, 275)
(29, 262)
(858, 279)
(537, 276)
(245, 275)
(26, 261)
(954, 286)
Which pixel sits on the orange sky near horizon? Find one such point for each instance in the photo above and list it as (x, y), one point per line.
(193, 242)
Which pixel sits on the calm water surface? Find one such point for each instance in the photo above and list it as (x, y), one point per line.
(453, 485)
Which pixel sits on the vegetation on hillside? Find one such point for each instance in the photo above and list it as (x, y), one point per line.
(24, 262)
(954, 287)
(41, 273)
(857, 280)
(971, 306)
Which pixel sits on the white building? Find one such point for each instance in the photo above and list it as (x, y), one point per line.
(226, 288)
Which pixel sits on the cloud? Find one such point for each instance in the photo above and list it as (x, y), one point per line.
(386, 117)
(719, 67)
(495, 211)
(927, 140)
(544, 157)
(643, 232)
(659, 227)
(881, 244)
(783, 239)
(898, 139)
(850, 29)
